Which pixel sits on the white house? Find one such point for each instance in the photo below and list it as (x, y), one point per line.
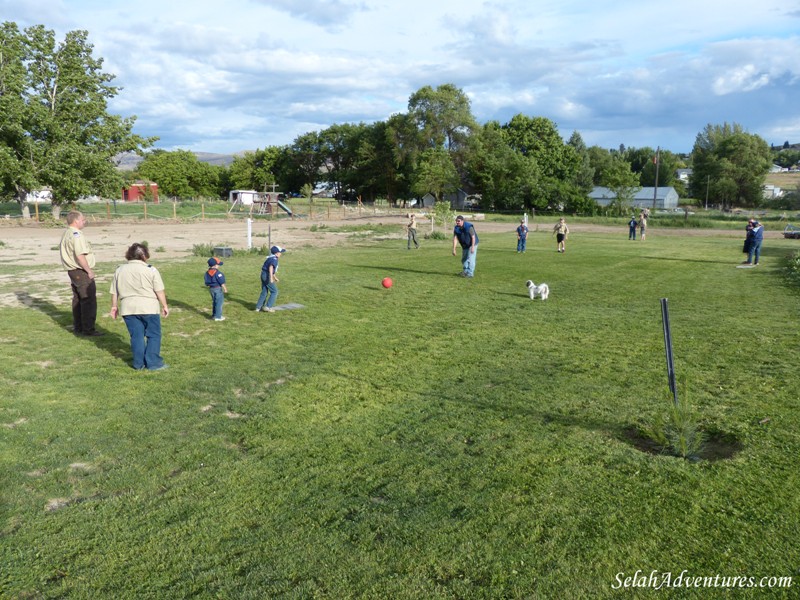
(39, 196)
(244, 197)
(772, 191)
(665, 197)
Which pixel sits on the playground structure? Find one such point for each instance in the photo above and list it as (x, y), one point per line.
(260, 203)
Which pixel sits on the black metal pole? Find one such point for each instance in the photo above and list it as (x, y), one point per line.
(668, 348)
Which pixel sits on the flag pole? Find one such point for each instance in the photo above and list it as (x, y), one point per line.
(655, 189)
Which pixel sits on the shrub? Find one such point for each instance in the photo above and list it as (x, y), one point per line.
(203, 250)
(793, 267)
(679, 432)
(443, 214)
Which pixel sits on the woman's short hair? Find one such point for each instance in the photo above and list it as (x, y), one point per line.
(137, 251)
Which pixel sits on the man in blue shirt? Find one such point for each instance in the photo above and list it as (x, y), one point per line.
(755, 236)
(522, 236)
(464, 234)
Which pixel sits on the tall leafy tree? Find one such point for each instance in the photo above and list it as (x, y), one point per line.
(538, 138)
(254, 170)
(556, 163)
(501, 175)
(443, 119)
(180, 174)
(435, 173)
(384, 164)
(339, 146)
(600, 160)
(55, 128)
(619, 178)
(443, 116)
(744, 160)
(583, 177)
(729, 165)
(302, 162)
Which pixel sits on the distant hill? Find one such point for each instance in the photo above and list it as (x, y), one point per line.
(128, 161)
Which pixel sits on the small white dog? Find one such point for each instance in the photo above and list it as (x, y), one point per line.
(542, 290)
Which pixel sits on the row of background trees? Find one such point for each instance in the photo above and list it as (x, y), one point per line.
(56, 132)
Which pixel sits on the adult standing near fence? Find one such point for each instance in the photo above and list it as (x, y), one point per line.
(269, 279)
(78, 260)
(642, 224)
(464, 234)
(137, 293)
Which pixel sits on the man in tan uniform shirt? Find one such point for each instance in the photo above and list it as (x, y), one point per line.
(78, 259)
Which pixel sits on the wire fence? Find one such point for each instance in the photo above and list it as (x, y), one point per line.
(183, 211)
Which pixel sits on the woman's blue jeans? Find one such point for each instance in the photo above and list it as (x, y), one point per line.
(145, 331)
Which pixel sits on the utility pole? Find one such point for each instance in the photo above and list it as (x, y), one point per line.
(655, 189)
(708, 181)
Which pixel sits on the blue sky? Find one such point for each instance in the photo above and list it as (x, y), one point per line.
(233, 75)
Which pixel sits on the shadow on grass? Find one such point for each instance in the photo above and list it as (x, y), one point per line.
(191, 307)
(732, 261)
(399, 269)
(717, 444)
(110, 342)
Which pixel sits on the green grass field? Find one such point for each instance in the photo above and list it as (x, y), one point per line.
(445, 438)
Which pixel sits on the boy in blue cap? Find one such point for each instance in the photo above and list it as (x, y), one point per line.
(215, 281)
(269, 277)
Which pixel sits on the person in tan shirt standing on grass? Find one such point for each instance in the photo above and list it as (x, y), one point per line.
(137, 294)
(561, 231)
(78, 260)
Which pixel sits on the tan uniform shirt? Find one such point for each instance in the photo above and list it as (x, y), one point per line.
(73, 244)
(135, 284)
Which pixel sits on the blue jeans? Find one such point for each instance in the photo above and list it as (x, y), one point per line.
(755, 249)
(632, 233)
(521, 244)
(146, 354)
(468, 260)
(217, 300)
(267, 288)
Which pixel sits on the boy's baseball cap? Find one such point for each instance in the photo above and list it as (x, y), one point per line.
(214, 261)
(275, 250)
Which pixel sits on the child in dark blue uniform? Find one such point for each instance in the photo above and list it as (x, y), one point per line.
(269, 279)
(632, 228)
(215, 281)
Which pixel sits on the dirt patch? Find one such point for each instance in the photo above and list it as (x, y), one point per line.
(36, 244)
(32, 243)
(717, 445)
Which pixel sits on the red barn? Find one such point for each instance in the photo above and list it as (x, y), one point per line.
(140, 191)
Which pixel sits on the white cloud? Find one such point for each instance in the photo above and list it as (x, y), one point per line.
(254, 73)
